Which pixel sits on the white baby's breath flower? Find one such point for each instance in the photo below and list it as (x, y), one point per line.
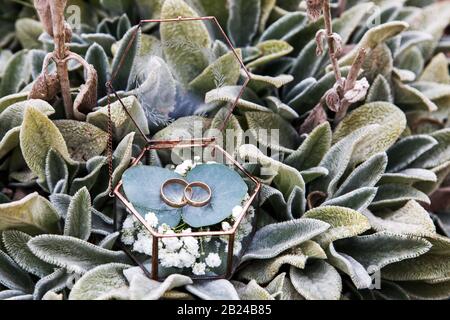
(186, 259)
(189, 163)
(191, 245)
(181, 169)
(199, 269)
(143, 244)
(169, 259)
(236, 212)
(226, 226)
(172, 244)
(128, 223)
(185, 166)
(213, 260)
(151, 219)
(197, 160)
(127, 238)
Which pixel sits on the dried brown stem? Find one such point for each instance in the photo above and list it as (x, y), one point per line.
(59, 37)
(341, 7)
(350, 84)
(331, 44)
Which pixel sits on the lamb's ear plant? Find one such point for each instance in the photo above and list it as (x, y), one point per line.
(355, 196)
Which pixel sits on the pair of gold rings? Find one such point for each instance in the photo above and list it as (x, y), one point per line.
(187, 193)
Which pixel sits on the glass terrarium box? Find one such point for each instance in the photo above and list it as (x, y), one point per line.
(192, 211)
(193, 214)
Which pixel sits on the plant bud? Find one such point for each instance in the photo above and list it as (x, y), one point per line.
(314, 9)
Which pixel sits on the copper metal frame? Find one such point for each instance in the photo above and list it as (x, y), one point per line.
(170, 144)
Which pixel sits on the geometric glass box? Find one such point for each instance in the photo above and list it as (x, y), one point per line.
(227, 244)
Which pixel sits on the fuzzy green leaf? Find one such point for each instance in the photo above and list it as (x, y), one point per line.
(101, 283)
(123, 71)
(365, 175)
(283, 236)
(252, 291)
(357, 273)
(380, 91)
(337, 159)
(78, 219)
(243, 21)
(261, 84)
(277, 106)
(12, 276)
(249, 101)
(97, 57)
(28, 31)
(404, 152)
(344, 222)
(263, 271)
(213, 290)
(285, 26)
(122, 124)
(287, 138)
(16, 74)
(11, 119)
(37, 136)
(312, 150)
(54, 282)
(396, 194)
(285, 177)
(8, 100)
(426, 267)
(289, 209)
(374, 37)
(83, 140)
(391, 121)
(56, 172)
(409, 98)
(16, 246)
(73, 254)
(224, 71)
(143, 288)
(411, 219)
(439, 154)
(436, 71)
(271, 50)
(94, 167)
(319, 281)
(378, 250)
(32, 214)
(358, 199)
(184, 43)
(426, 291)
(409, 176)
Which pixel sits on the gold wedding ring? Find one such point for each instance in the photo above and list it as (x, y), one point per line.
(187, 193)
(170, 202)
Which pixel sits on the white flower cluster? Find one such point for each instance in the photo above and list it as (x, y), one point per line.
(134, 233)
(174, 252)
(244, 229)
(187, 165)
